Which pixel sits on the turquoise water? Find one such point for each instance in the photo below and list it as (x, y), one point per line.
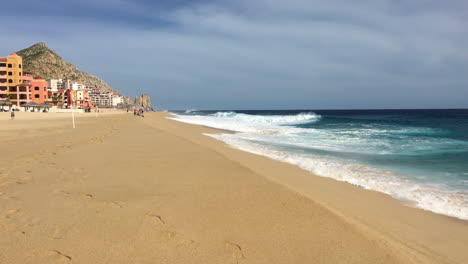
(415, 155)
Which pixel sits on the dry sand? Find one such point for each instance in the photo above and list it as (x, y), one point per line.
(124, 189)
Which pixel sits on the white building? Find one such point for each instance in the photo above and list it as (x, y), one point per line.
(54, 85)
(65, 84)
(116, 99)
(80, 95)
(101, 99)
(75, 86)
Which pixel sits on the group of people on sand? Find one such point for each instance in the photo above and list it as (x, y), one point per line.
(138, 113)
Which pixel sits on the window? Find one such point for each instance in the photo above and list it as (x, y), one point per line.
(10, 74)
(19, 66)
(10, 81)
(2, 64)
(36, 88)
(19, 73)
(36, 96)
(10, 65)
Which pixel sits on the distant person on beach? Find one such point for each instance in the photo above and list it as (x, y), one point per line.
(12, 114)
(134, 112)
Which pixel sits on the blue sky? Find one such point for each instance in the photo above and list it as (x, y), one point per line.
(259, 54)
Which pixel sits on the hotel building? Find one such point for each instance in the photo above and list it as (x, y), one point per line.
(116, 99)
(18, 86)
(10, 78)
(100, 99)
(54, 85)
(38, 90)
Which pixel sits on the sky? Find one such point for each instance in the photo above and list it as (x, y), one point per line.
(258, 54)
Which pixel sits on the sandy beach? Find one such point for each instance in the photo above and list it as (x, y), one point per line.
(125, 189)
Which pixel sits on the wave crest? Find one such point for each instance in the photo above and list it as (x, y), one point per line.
(301, 118)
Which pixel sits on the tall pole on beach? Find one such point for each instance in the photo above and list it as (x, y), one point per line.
(72, 110)
(73, 117)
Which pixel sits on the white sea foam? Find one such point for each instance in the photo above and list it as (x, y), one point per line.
(271, 136)
(247, 123)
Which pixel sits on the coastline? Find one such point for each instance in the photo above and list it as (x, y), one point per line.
(172, 194)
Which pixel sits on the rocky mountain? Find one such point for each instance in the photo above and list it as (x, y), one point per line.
(128, 100)
(46, 63)
(144, 101)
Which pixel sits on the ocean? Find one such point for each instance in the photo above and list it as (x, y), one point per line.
(418, 156)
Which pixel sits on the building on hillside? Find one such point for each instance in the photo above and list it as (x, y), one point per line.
(83, 100)
(100, 99)
(65, 84)
(69, 98)
(54, 85)
(58, 98)
(24, 89)
(3, 80)
(76, 86)
(10, 78)
(116, 99)
(38, 90)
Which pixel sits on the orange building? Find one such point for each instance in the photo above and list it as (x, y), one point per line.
(38, 90)
(23, 94)
(11, 76)
(3, 79)
(82, 99)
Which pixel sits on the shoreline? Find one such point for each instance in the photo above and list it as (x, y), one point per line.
(438, 203)
(306, 184)
(124, 189)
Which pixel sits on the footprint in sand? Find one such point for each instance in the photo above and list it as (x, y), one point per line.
(59, 233)
(234, 250)
(156, 218)
(186, 247)
(58, 255)
(20, 233)
(11, 213)
(113, 204)
(27, 178)
(87, 195)
(170, 234)
(97, 140)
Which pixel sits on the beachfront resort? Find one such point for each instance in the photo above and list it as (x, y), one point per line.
(22, 90)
